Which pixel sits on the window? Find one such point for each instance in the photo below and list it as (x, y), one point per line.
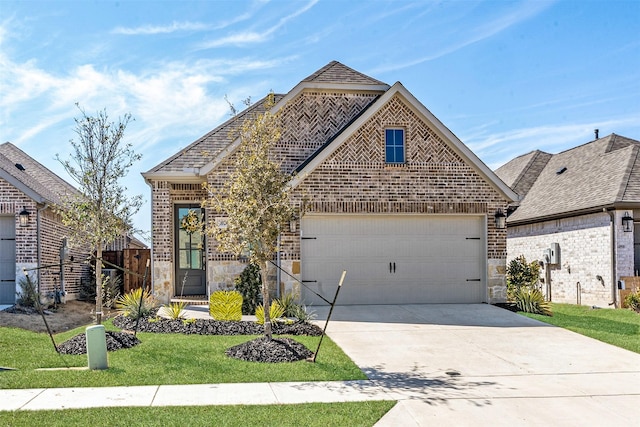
(394, 145)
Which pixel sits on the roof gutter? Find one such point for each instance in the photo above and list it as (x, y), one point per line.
(572, 214)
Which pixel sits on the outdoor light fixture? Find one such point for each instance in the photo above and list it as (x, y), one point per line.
(24, 217)
(292, 225)
(627, 222)
(501, 219)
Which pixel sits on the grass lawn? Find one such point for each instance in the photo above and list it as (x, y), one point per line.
(160, 359)
(620, 327)
(308, 415)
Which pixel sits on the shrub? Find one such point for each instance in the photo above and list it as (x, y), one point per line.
(249, 284)
(521, 274)
(633, 301)
(175, 310)
(129, 304)
(531, 300)
(275, 310)
(27, 296)
(288, 304)
(302, 314)
(226, 305)
(111, 287)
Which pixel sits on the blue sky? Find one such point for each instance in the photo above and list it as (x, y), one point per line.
(506, 77)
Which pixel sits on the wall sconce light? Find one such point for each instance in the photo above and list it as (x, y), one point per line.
(501, 219)
(627, 222)
(24, 217)
(292, 225)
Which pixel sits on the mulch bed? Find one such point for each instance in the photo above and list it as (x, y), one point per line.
(258, 350)
(115, 341)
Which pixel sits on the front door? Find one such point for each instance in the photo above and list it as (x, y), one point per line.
(7, 260)
(189, 242)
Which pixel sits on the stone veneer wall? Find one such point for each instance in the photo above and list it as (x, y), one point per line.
(585, 251)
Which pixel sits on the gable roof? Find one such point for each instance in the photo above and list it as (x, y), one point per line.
(521, 172)
(398, 89)
(601, 174)
(31, 177)
(192, 163)
(189, 165)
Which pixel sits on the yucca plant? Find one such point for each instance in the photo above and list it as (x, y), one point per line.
(175, 310)
(226, 305)
(130, 305)
(275, 311)
(288, 304)
(531, 300)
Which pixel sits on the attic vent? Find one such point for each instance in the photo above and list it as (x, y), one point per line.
(561, 170)
(19, 166)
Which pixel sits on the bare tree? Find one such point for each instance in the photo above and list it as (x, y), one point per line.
(102, 211)
(254, 199)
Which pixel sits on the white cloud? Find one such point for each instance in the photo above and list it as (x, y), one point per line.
(160, 29)
(474, 34)
(253, 37)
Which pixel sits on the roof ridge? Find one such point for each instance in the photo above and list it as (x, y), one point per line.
(334, 68)
(624, 185)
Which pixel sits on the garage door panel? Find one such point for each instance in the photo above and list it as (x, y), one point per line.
(394, 259)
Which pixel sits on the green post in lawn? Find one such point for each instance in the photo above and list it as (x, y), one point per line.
(97, 347)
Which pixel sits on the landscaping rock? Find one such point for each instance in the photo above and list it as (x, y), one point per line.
(270, 350)
(212, 327)
(115, 341)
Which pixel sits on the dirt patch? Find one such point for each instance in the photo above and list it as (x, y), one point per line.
(66, 316)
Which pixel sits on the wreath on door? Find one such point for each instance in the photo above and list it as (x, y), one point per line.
(191, 222)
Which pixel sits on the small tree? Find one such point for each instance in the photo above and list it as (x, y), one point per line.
(102, 211)
(254, 199)
(521, 274)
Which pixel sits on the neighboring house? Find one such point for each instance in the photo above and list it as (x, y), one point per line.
(584, 200)
(32, 236)
(384, 189)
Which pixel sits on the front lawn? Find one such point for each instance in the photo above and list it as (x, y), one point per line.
(311, 414)
(619, 327)
(160, 359)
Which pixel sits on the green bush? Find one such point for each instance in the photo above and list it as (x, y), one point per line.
(129, 304)
(27, 296)
(302, 314)
(226, 305)
(288, 304)
(249, 284)
(633, 301)
(275, 311)
(531, 300)
(111, 290)
(521, 274)
(175, 310)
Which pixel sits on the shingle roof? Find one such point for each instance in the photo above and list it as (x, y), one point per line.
(42, 184)
(335, 72)
(201, 152)
(601, 173)
(521, 173)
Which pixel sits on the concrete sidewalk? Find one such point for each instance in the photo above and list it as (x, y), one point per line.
(444, 364)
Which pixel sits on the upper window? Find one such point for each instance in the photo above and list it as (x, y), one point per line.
(394, 145)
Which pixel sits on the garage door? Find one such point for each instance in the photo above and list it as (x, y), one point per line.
(394, 259)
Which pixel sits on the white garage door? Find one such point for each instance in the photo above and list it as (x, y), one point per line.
(394, 259)
(7, 260)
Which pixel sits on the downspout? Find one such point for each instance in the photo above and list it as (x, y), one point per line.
(612, 228)
(38, 242)
(278, 273)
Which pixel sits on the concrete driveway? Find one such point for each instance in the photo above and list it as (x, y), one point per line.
(451, 364)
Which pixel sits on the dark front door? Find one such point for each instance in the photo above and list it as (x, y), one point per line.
(190, 265)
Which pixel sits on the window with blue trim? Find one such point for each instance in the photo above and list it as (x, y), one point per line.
(394, 145)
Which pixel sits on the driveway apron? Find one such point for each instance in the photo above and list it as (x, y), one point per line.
(478, 364)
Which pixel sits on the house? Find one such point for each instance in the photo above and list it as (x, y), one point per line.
(385, 191)
(576, 217)
(32, 236)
